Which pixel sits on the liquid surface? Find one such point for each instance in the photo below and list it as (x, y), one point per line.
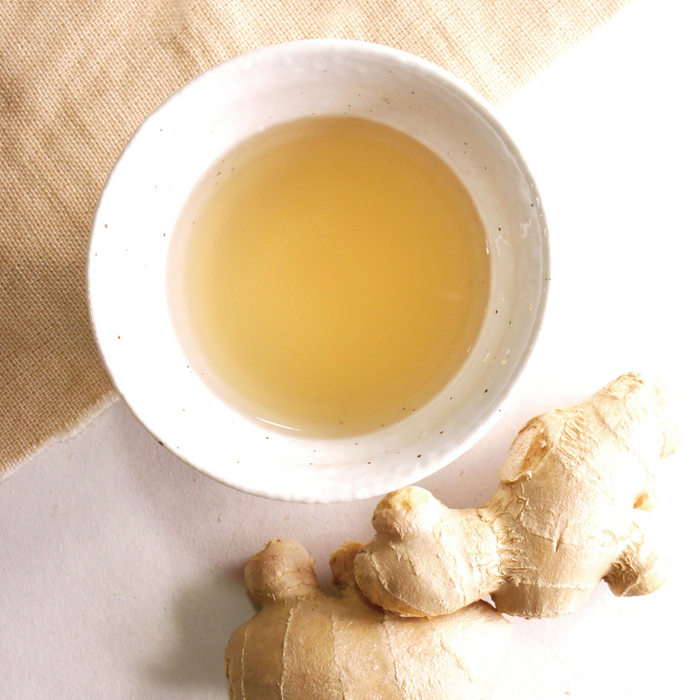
(329, 275)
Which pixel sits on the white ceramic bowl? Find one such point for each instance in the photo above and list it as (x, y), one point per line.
(160, 166)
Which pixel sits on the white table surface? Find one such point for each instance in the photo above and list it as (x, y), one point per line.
(121, 568)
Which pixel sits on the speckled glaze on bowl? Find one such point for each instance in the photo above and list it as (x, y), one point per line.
(176, 145)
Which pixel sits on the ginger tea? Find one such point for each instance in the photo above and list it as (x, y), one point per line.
(329, 276)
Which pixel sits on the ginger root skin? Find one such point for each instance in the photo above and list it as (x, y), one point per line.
(572, 509)
(306, 645)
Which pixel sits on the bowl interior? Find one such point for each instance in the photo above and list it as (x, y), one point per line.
(161, 165)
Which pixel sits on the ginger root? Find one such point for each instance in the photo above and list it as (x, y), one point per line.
(306, 645)
(570, 511)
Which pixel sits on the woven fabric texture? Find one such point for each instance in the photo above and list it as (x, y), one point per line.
(76, 79)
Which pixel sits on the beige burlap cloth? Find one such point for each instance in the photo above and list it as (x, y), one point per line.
(76, 79)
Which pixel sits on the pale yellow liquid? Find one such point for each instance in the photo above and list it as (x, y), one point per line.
(329, 275)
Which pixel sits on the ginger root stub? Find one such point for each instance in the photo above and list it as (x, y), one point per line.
(571, 509)
(305, 645)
